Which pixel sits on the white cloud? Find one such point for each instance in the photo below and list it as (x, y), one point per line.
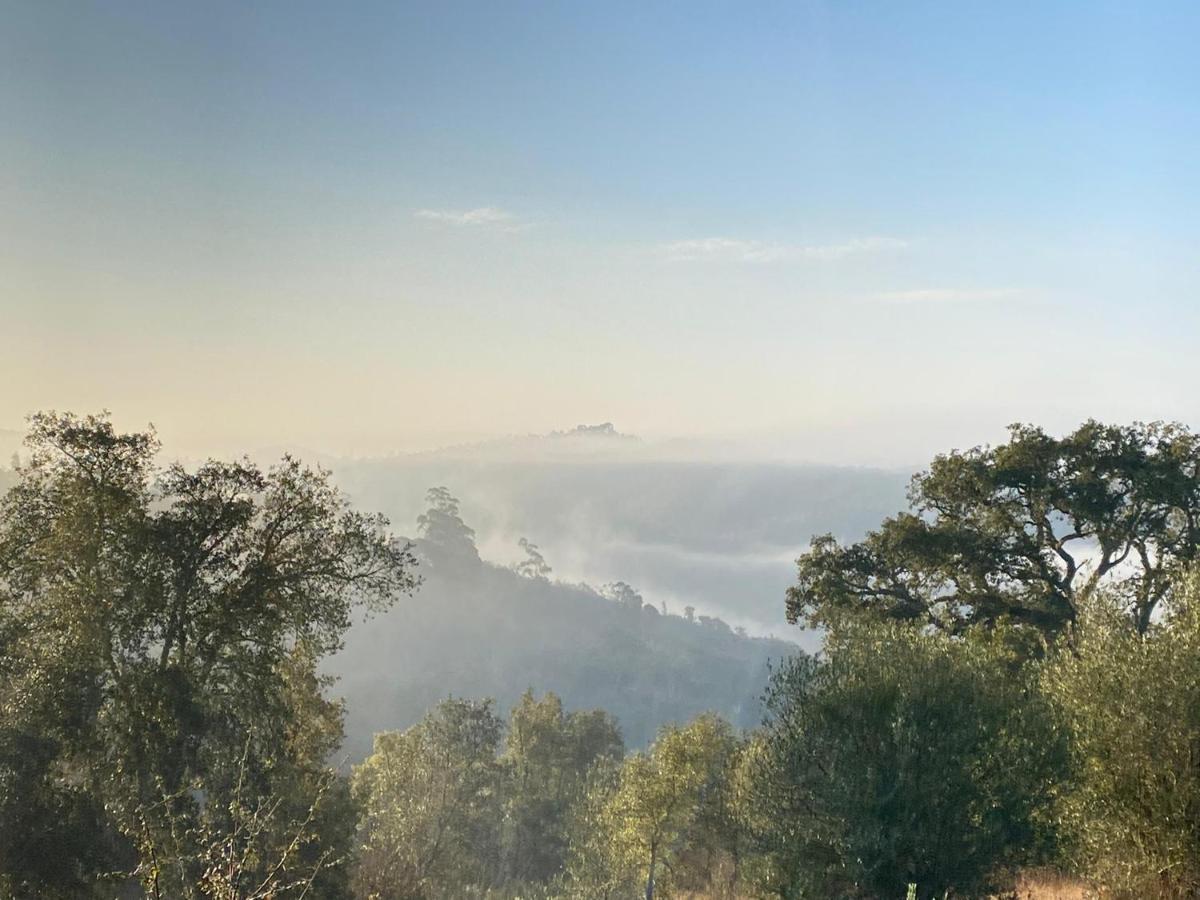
(721, 249)
(480, 216)
(946, 295)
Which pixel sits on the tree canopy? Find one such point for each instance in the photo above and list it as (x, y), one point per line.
(165, 728)
(1131, 703)
(1020, 532)
(448, 813)
(901, 757)
(159, 636)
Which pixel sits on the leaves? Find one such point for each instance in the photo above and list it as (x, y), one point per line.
(661, 807)
(161, 631)
(1020, 533)
(904, 756)
(1131, 705)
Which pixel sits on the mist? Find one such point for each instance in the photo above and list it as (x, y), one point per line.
(684, 526)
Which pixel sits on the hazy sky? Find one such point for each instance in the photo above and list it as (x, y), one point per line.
(845, 228)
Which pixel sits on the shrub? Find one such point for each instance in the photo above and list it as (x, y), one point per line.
(1131, 705)
(902, 757)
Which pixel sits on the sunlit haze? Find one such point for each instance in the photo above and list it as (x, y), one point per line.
(771, 227)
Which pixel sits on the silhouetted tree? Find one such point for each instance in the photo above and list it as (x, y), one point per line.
(1019, 532)
(445, 539)
(534, 565)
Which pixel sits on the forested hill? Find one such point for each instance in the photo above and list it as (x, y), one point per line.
(722, 532)
(478, 629)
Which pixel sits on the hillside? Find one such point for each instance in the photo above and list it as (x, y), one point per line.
(685, 527)
(478, 629)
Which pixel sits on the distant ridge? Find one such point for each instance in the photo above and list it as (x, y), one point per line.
(578, 441)
(603, 430)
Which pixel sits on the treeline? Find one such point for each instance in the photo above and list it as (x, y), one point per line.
(1010, 680)
(165, 724)
(460, 805)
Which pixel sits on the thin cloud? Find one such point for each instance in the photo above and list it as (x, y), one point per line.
(947, 295)
(719, 249)
(482, 216)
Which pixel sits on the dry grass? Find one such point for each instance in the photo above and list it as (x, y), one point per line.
(1044, 884)
(1034, 884)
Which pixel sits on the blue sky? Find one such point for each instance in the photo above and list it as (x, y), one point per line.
(856, 231)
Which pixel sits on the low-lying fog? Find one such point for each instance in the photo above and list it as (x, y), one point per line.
(717, 534)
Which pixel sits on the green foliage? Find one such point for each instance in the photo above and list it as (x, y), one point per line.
(656, 824)
(446, 814)
(1131, 703)
(165, 729)
(431, 806)
(547, 756)
(903, 757)
(1019, 532)
(159, 637)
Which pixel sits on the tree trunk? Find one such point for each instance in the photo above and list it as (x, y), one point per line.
(650, 876)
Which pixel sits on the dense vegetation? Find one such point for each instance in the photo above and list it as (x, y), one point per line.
(163, 718)
(1010, 678)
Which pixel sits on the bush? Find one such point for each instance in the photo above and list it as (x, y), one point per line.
(901, 758)
(1131, 705)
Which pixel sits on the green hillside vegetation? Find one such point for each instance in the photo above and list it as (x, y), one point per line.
(1010, 682)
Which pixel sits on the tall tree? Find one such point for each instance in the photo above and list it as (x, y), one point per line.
(639, 825)
(430, 801)
(156, 628)
(534, 564)
(446, 540)
(1020, 532)
(548, 753)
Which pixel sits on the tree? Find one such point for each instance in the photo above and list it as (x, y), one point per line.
(430, 801)
(641, 822)
(623, 594)
(903, 757)
(534, 565)
(1131, 705)
(547, 756)
(445, 538)
(710, 863)
(1020, 532)
(159, 633)
(255, 847)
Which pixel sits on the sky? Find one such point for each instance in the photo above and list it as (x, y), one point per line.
(846, 232)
